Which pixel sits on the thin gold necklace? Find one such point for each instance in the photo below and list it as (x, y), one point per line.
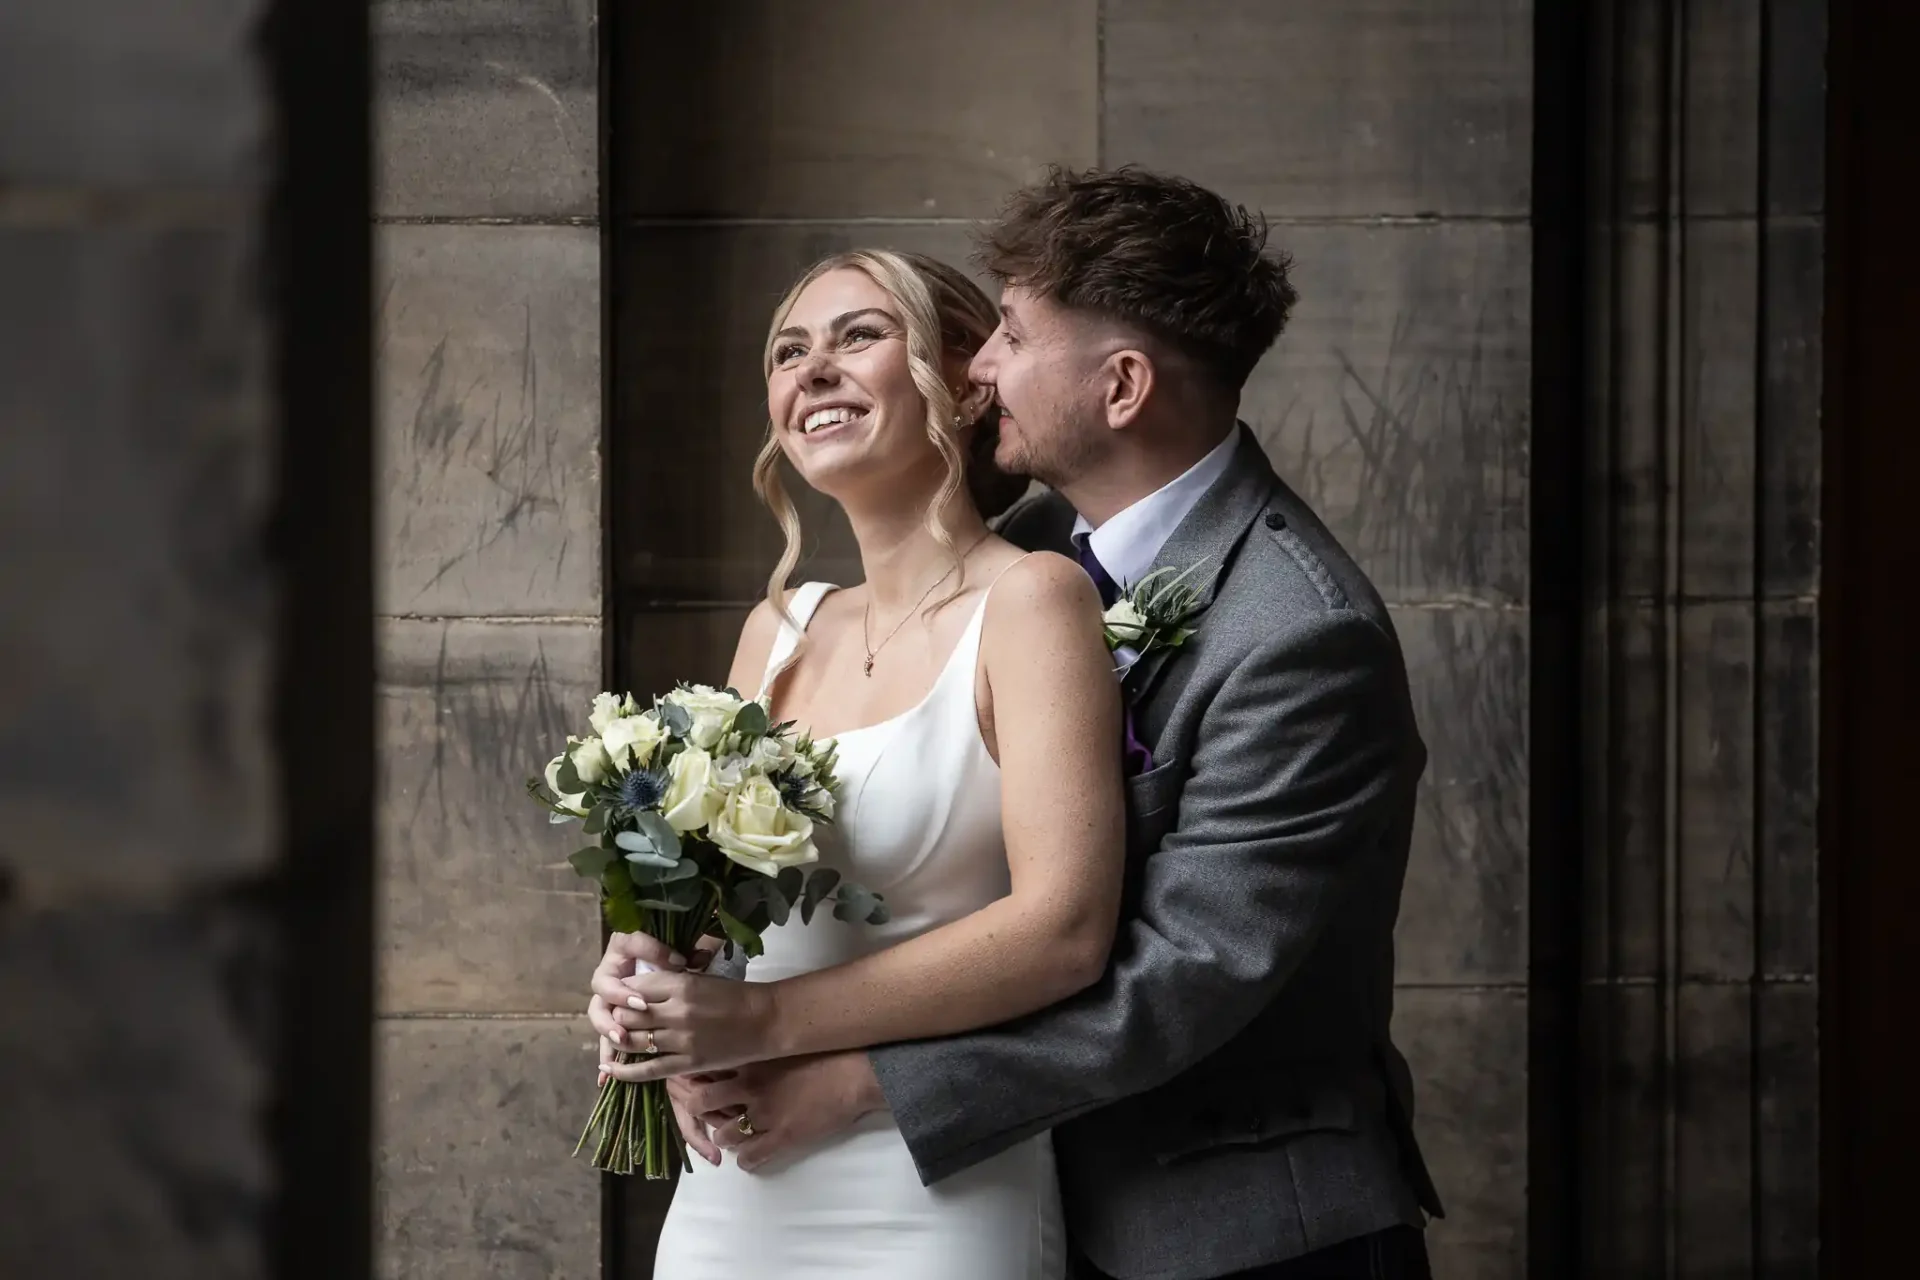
(866, 618)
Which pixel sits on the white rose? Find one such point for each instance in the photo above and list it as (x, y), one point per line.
(1125, 621)
(630, 740)
(577, 803)
(591, 761)
(691, 798)
(757, 831)
(712, 711)
(606, 709)
(771, 755)
(729, 772)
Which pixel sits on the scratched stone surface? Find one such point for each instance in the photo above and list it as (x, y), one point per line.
(477, 1120)
(489, 396)
(485, 108)
(479, 911)
(1397, 402)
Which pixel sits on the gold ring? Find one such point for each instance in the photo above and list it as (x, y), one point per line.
(745, 1126)
(652, 1048)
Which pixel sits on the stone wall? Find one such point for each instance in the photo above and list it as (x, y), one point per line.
(488, 293)
(185, 645)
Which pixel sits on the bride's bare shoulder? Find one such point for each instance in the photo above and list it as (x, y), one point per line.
(1042, 594)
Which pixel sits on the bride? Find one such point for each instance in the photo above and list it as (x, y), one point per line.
(978, 719)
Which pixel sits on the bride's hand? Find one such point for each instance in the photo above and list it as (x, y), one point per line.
(690, 1022)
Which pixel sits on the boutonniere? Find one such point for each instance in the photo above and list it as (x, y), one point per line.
(1154, 614)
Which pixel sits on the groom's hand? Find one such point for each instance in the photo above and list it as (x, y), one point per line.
(789, 1103)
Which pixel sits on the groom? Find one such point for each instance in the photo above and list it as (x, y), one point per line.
(1226, 1101)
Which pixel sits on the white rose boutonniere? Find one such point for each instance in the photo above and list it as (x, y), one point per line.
(1154, 613)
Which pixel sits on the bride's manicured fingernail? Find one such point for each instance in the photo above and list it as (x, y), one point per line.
(635, 1002)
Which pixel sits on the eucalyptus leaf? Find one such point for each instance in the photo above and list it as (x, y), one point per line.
(738, 932)
(819, 885)
(597, 820)
(790, 881)
(750, 720)
(676, 719)
(662, 904)
(567, 778)
(650, 873)
(556, 817)
(640, 850)
(591, 861)
(880, 914)
(853, 903)
(665, 839)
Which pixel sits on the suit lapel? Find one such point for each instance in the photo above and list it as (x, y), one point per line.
(1209, 537)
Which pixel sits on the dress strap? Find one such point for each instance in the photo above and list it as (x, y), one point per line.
(805, 600)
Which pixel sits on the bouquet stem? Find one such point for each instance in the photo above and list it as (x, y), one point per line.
(633, 1128)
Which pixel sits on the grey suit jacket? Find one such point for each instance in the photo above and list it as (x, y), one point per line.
(1227, 1096)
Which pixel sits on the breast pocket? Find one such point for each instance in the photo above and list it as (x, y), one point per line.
(1153, 802)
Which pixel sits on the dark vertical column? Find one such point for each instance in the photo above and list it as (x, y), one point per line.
(1563, 164)
(319, 284)
(1698, 1041)
(1869, 947)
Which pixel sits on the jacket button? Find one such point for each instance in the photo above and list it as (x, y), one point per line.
(1276, 521)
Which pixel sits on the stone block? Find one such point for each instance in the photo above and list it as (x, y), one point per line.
(1330, 109)
(479, 910)
(135, 1126)
(1397, 402)
(1723, 82)
(694, 304)
(135, 476)
(1463, 917)
(1713, 784)
(1796, 106)
(1786, 791)
(165, 95)
(1712, 1190)
(1717, 525)
(478, 1116)
(866, 109)
(1623, 886)
(1792, 383)
(486, 108)
(1468, 1051)
(1623, 1175)
(1787, 1133)
(1632, 466)
(489, 397)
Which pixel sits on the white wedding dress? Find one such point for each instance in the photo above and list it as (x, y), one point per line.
(919, 821)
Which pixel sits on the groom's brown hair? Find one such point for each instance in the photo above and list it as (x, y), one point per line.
(1152, 250)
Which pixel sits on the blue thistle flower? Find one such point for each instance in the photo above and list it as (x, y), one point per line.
(642, 789)
(794, 789)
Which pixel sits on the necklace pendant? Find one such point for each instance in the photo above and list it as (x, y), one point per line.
(868, 666)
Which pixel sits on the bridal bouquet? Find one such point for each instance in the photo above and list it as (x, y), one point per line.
(699, 817)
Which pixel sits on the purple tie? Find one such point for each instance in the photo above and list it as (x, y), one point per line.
(1102, 580)
(1134, 756)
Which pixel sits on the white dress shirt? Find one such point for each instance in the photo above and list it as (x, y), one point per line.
(1128, 544)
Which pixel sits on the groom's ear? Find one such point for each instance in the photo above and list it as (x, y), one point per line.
(1130, 381)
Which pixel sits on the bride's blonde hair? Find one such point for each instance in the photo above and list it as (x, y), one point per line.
(946, 315)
